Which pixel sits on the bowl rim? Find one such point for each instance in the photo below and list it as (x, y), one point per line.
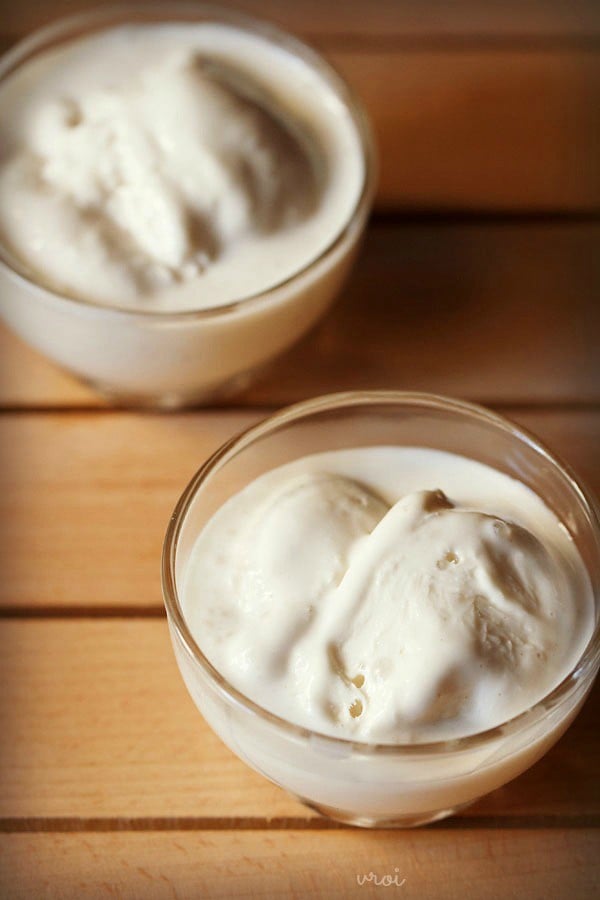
(586, 664)
(82, 24)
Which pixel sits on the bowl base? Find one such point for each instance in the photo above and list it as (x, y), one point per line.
(408, 820)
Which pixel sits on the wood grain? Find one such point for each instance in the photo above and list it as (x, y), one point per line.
(494, 312)
(440, 864)
(96, 722)
(479, 129)
(85, 498)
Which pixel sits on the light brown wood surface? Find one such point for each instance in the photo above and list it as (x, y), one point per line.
(499, 129)
(445, 865)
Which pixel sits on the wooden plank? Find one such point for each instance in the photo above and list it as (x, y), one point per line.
(480, 129)
(85, 498)
(441, 864)
(494, 312)
(534, 19)
(503, 313)
(96, 722)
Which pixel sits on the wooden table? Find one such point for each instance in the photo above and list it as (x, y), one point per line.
(479, 278)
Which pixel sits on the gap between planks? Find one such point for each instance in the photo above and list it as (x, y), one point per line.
(58, 611)
(68, 409)
(74, 824)
(448, 43)
(342, 41)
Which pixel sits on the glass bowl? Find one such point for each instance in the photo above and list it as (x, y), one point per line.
(163, 359)
(353, 782)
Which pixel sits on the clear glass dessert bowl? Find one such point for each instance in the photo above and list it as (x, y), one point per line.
(379, 784)
(170, 358)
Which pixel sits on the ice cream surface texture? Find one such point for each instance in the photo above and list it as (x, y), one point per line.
(389, 595)
(172, 167)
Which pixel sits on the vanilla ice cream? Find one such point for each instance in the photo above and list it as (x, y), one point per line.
(389, 595)
(171, 167)
(180, 200)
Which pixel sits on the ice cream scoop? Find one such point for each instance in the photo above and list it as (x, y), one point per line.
(292, 550)
(444, 615)
(339, 598)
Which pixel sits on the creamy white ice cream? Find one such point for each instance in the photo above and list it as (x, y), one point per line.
(171, 167)
(389, 594)
(212, 170)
